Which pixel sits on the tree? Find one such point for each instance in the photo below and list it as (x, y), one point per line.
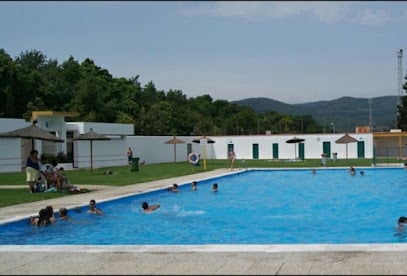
(33, 82)
(181, 123)
(10, 82)
(246, 121)
(149, 96)
(70, 76)
(157, 121)
(93, 93)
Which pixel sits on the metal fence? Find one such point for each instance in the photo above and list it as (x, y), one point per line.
(390, 154)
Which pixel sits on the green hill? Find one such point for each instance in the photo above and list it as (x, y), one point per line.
(344, 113)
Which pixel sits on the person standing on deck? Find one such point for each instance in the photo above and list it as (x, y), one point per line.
(129, 155)
(232, 157)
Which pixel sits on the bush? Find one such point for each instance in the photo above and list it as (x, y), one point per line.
(49, 157)
(61, 157)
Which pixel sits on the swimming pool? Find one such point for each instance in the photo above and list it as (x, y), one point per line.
(251, 207)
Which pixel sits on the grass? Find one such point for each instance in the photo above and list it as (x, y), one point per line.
(123, 176)
(10, 197)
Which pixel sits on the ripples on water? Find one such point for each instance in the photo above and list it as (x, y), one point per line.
(254, 207)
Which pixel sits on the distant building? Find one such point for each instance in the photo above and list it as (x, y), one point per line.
(14, 151)
(152, 149)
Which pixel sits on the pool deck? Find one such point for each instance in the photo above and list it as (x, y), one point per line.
(356, 259)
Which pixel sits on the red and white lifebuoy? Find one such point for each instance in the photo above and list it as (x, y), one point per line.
(193, 158)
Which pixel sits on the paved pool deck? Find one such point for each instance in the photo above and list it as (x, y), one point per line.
(317, 259)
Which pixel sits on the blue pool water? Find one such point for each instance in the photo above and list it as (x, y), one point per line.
(251, 207)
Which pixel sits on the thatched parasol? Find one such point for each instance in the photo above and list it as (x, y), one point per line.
(346, 139)
(31, 132)
(208, 140)
(174, 141)
(294, 141)
(91, 136)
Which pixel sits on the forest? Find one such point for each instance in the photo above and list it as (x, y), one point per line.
(34, 82)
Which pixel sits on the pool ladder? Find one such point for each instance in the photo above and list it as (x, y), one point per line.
(242, 164)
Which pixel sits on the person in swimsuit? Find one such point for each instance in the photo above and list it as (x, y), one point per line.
(149, 208)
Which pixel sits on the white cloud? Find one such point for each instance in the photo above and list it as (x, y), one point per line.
(223, 9)
(330, 12)
(371, 17)
(325, 12)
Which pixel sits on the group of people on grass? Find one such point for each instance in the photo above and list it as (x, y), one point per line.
(45, 177)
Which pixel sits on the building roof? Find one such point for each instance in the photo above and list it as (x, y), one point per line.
(389, 134)
(35, 114)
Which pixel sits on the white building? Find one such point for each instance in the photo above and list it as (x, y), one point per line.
(14, 151)
(152, 149)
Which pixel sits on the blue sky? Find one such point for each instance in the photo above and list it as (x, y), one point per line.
(294, 52)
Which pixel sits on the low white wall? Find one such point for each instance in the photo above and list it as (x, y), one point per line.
(104, 153)
(153, 150)
(10, 148)
(10, 158)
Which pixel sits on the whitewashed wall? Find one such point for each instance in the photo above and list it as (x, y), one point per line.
(10, 148)
(153, 150)
(105, 153)
(10, 158)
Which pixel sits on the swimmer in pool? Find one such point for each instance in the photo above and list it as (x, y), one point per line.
(194, 183)
(174, 188)
(63, 214)
(402, 222)
(215, 187)
(149, 208)
(93, 209)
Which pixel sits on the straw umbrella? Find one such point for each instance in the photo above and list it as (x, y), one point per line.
(294, 141)
(208, 140)
(91, 136)
(174, 141)
(346, 139)
(31, 132)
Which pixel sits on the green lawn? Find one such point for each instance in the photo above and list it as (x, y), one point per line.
(16, 196)
(123, 176)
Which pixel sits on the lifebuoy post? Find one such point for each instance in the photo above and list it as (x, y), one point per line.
(203, 143)
(193, 158)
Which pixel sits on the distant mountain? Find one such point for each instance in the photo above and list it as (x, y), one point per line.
(344, 114)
